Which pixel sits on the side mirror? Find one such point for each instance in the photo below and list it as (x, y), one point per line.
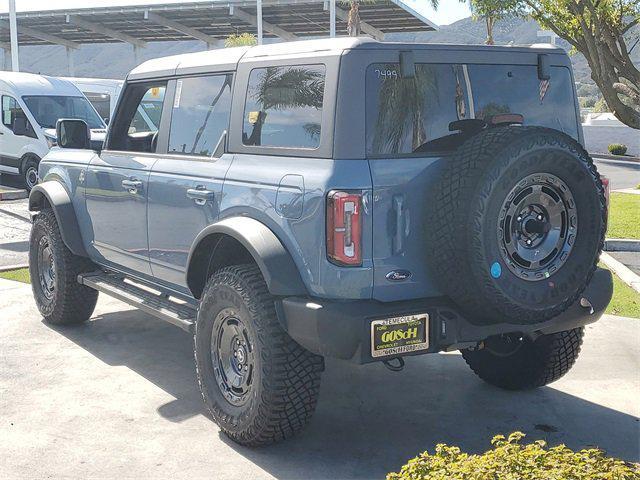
(72, 133)
(106, 120)
(21, 126)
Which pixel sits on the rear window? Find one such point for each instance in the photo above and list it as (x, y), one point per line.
(407, 114)
(517, 89)
(284, 106)
(412, 116)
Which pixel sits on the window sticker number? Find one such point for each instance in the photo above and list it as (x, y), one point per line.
(386, 73)
(176, 100)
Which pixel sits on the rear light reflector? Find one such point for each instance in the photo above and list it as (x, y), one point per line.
(344, 228)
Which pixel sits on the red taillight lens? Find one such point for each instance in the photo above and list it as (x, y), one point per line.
(344, 228)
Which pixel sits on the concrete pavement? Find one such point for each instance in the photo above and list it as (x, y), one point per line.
(117, 398)
(15, 225)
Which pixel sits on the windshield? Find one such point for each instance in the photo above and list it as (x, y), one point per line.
(48, 109)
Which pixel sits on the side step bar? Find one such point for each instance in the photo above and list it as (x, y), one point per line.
(159, 305)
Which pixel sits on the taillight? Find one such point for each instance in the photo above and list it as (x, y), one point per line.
(344, 228)
(607, 190)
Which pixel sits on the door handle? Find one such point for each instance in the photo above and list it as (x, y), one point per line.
(200, 194)
(132, 185)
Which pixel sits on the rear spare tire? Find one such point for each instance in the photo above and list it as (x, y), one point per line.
(518, 225)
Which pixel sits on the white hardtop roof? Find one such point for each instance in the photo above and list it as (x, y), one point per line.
(111, 82)
(228, 58)
(31, 84)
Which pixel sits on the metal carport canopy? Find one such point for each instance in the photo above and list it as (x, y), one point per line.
(209, 21)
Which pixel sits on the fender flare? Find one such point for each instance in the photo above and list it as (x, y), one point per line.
(276, 265)
(58, 197)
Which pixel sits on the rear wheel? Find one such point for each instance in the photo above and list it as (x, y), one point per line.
(54, 274)
(259, 385)
(516, 362)
(30, 173)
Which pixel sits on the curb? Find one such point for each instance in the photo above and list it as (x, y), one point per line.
(608, 156)
(8, 268)
(626, 275)
(621, 245)
(13, 194)
(628, 191)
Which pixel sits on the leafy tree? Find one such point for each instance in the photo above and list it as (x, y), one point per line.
(240, 40)
(491, 11)
(353, 20)
(605, 32)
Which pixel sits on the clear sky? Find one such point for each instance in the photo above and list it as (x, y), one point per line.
(449, 11)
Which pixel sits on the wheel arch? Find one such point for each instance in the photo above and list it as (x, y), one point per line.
(53, 194)
(239, 240)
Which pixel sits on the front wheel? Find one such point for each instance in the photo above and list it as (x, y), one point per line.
(54, 274)
(516, 362)
(259, 385)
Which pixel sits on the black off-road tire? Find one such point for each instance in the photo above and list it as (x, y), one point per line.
(286, 377)
(70, 302)
(463, 227)
(534, 364)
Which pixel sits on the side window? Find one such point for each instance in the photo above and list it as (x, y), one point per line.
(136, 124)
(200, 114)
(10, 109)
(149, 112)
(284, 106)
(412, 115)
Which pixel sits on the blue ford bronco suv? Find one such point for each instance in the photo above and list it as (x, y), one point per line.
(339, 198)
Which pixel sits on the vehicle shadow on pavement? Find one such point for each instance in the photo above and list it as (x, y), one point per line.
(369, 420)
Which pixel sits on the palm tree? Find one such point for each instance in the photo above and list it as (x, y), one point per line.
(401, 103)
(353, 21)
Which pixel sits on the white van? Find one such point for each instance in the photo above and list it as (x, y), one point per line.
(103, 93)
(31, 106)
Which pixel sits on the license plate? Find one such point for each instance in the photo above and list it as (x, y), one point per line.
(399, 335)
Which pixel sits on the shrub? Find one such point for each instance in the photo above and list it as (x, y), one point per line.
(587, 102)
(601, 106)
(240, 40)
(510, 460)
(617, 149)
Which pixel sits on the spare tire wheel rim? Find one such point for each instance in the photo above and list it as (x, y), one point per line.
(537, 226)
(232, 356)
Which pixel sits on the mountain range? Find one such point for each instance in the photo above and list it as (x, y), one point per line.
(114, 60)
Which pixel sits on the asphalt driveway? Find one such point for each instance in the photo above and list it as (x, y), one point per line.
(117, 398)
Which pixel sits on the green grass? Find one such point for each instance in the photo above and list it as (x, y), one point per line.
(624, 216)
(625, 301)
(21, 275)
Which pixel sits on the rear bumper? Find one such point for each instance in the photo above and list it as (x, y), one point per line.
(342, 329)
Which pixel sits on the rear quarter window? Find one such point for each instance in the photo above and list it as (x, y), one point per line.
(284, 107)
